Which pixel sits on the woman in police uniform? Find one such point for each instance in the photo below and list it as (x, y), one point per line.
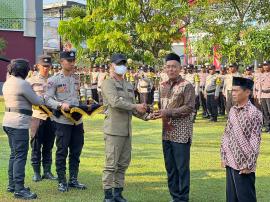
(19, 97)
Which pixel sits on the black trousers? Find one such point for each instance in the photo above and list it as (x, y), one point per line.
(240, 188)
(229, 101)
(42, 143)
(19, 143)
(95, 95)
(69, 141)
(203, 103)
(177, 163)
(212, 106)
(266, 111)
(221, 103)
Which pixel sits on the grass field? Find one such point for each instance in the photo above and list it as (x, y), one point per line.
(146, 176)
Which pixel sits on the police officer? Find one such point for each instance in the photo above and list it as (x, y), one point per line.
(202, 75)
(221, 99)
(19, 97)
(144, 86)
(212, 89)
(101, 77)
(62, 91)
(42, 133)
(194, 79)
(227, 88)
(264, 91)
(119, 101)
(94, 82)
(257, 82)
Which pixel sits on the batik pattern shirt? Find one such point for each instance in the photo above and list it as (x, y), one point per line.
(242, 137)
(177, 100)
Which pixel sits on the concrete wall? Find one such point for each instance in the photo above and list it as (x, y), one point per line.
(18, 46)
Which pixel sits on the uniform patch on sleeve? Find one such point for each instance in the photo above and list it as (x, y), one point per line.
(49, 84)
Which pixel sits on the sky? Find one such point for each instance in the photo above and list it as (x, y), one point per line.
(54, 1)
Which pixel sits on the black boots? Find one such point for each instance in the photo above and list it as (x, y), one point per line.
(73, 182)
(62, 187)
(118, 195)
(37, 176)
(108, 195)
(213, 119)
(25, 194)
(47, 172)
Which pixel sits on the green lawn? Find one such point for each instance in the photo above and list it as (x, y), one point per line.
(146, 177)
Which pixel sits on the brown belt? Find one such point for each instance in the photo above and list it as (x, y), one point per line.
(266, 91)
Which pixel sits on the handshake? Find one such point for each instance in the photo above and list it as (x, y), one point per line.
(152, 115)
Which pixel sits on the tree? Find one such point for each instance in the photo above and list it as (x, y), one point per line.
(226, 23)
(139, 28)
(75, 11)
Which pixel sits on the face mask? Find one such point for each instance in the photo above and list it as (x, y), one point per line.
(121, 69)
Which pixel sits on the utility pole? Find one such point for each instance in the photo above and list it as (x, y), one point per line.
(61, 17)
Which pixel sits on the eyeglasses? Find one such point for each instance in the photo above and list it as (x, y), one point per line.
(171, 66)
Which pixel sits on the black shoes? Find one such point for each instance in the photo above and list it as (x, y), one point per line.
(49, 176)
(213, 119)
(37, 176)
(12, 189)
(108, 195)
(266, 130)
(47, 172)
(118, 195)
(25, 194)
(62, 187)
(73, 183)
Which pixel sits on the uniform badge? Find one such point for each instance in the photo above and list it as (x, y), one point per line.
(49, 84)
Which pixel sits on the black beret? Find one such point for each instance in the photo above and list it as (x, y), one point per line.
(190, 66)
(249, 68)
(172, 56)
(45, 60)
(233, 65)
(67, 55)
(117, 58)
(243, 82)
(212, 67)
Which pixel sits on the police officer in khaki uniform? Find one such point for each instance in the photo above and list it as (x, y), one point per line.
(264, 94)
(194, 79)
(212, 89)
(144, 86)
(101, 77)
(62, 92)
(94, 82)
(227, 88)
(42, 133)
(119, 102)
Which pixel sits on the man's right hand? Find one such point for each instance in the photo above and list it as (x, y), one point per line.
(223, 164)
(65, 106)
(141, 108)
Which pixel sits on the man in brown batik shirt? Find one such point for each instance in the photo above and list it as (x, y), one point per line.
(177, 101)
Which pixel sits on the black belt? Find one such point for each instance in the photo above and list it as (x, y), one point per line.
(266, 91)
(21, 111)
(211, 91)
